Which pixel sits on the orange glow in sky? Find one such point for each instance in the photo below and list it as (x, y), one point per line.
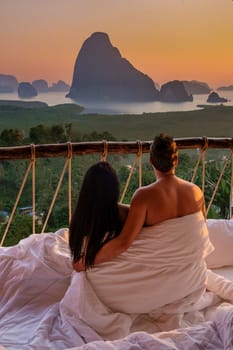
(166, 39)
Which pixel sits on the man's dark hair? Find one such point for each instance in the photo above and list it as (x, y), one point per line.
(163, 153)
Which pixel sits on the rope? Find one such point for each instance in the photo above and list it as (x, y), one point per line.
(231, 189)
(70, 156)
(203, 172)
(218, 182)
(128, 180)
(55, 194)
(196, 167)
(105, 151)
(33, 161)
(139, 156)
(204, 148)
(132, 168)
(202, 157)
(16, 202)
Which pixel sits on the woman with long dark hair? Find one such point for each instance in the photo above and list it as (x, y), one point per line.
(97, 217)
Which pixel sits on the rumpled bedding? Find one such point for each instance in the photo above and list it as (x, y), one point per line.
(45, 305)
(160, 259)
(35, 275)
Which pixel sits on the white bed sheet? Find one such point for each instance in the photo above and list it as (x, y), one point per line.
(225, 271)
(40, 306)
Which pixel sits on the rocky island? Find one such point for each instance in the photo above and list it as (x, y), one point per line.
(174, 91)
(101, 73)
(215, 98)
(26, 90)
(8, 83)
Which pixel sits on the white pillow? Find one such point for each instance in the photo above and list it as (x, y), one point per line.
(221, 236)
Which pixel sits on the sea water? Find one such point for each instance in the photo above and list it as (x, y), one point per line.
(55, 98)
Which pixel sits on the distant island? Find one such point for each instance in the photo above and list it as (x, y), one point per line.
(9, 84)
(195, 87)
(215, 98)
(41, 85)
(225, 88)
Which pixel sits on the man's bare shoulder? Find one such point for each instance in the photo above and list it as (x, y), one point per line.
(187, 183)
(189, 186)
(143, 195)
(142, 192)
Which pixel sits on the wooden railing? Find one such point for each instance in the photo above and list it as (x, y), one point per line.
(129, 147)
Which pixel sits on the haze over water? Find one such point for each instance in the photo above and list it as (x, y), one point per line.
(55, 98)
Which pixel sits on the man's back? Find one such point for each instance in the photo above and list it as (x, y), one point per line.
(170, 197)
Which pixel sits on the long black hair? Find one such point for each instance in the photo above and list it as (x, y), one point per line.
(96, 217)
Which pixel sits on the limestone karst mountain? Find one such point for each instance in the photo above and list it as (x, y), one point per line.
(8, 83)
(101, 73)
(215, 98)
(40, 85)
(26, 90)
(194, 87)
(59, 86)
(174, 91)
(225, 88)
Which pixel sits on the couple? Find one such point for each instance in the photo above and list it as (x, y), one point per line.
(149, 257)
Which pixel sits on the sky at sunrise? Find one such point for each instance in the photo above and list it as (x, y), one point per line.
(166, 39)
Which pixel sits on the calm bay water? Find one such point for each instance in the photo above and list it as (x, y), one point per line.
(55, 98)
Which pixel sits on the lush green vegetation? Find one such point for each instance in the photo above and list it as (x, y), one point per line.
(20, 125)
(47, 176)
(216, 121)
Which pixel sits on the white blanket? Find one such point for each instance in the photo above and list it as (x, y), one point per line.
(44, 305)
(164, 264)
